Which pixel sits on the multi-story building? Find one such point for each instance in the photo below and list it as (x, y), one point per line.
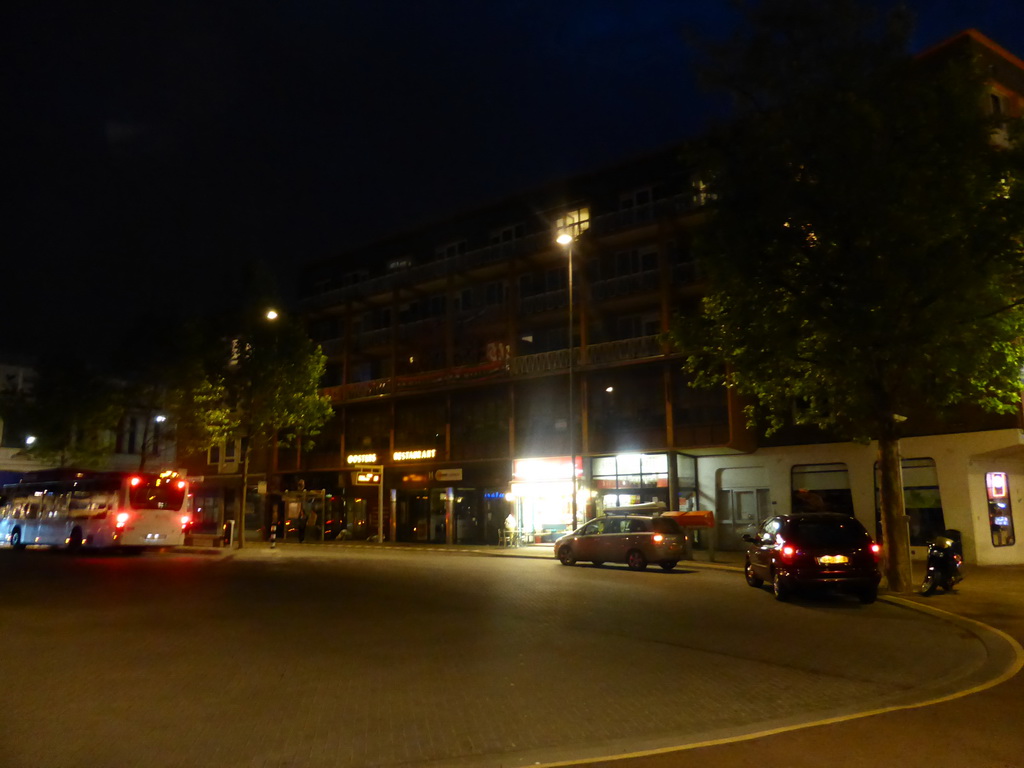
(481, 366)
(142, 438)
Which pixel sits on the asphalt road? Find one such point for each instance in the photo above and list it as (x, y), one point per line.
(362, 657)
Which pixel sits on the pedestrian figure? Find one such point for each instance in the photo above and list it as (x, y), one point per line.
(510, 529)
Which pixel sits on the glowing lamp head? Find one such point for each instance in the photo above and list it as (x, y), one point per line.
(564, 239)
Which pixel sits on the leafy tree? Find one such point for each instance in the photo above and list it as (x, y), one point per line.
(263, 388)
(864, 250)
(70, 411)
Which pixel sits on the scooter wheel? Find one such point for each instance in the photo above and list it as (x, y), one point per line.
(929, 585)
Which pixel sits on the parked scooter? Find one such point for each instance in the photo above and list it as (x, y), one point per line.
(945, 558)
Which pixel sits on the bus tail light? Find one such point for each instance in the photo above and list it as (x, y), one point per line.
(185, 520)
(122, 520)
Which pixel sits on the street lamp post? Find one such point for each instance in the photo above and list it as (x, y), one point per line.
(566, 240)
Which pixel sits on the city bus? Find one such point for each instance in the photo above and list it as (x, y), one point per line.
(74, 508)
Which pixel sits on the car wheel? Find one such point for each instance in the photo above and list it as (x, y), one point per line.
(565, 556)
(779, 587)
(16, 539)
(868, 595)
(667, 565)
(636, 560)
(752, 578)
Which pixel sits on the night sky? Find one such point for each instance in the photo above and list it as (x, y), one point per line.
(155, 149)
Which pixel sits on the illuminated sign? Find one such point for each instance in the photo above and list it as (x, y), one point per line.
(996, 482)
(448, 474)
(366, 478)
(427, 453)
(362, 458)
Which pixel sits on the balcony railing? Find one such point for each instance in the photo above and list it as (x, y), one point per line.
(537, 242)
(557, 361)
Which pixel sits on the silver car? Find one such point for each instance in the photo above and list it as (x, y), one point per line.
(632, 539)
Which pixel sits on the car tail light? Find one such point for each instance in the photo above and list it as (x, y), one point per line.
(787, 553)
(876, 550)
(122, 519)
(658, 538)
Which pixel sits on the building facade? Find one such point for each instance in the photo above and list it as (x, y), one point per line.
(479, 367)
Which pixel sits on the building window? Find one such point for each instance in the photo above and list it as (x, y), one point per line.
(229, 450)
(451, 250)
(637, 204)
(1000, 510)
(921, 499)
(495, 293)
(821, 488)
(213, 457)
(626, 479)
(574, 222)
(507, 234)
(702, 194)
(635, 199)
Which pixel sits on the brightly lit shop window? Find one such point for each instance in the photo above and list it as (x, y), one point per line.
(624, 480)
(1000, 511)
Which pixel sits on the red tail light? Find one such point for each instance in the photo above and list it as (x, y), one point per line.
(185, 520)
(122, 519)
(181, 485)
(876, 550)
(135, 481)
(658, 538)
(787, 553)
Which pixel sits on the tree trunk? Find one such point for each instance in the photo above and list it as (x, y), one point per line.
(240, 513)
(895, 531)
(145, 437)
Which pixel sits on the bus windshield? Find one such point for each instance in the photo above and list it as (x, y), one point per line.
(156, 493)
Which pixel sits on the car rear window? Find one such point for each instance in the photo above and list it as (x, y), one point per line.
(827, 533)
(666, 525)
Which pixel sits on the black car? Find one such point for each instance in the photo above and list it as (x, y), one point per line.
(820, 549)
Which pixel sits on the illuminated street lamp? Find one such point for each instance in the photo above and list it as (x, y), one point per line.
(271, 314)
(566, 240)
